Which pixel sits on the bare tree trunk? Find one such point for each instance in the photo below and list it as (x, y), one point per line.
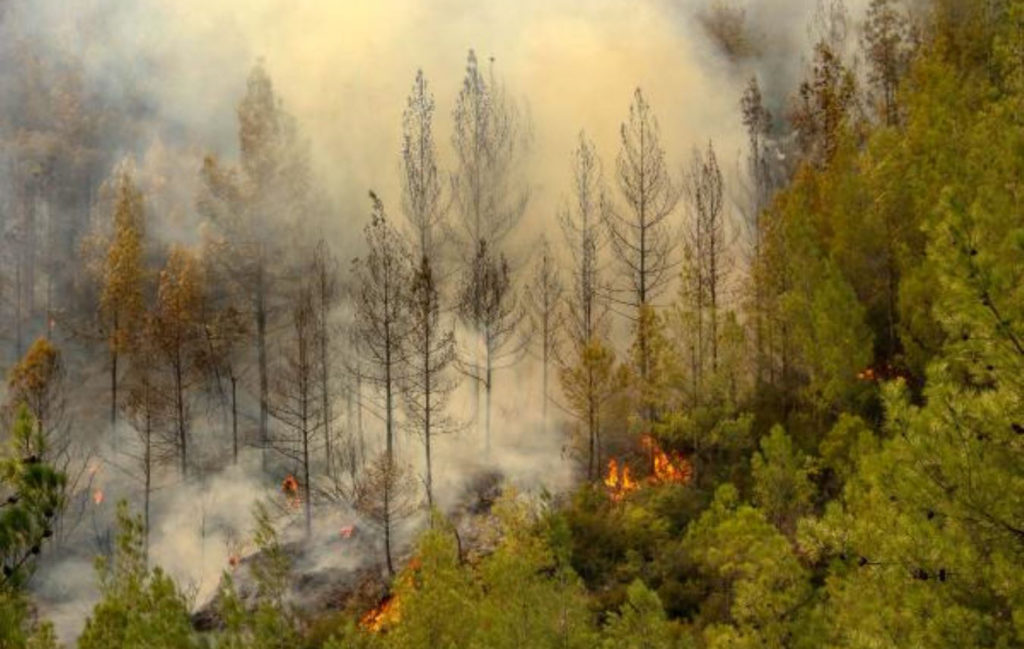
(179, 396)
(261, 350)
(234, 417)
(148, 462)
(113, 375)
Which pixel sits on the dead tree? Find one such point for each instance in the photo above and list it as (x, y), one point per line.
(257, 210)
(385, 494)
(487, 195)
(148, 411)
(705, 261)
(324, 276)
(422, 200)
(429, 382)
(178, 338)
(639, 230)
(585, 373)
(544, 294)
(295, 399)
(380, 300)
(487, 292)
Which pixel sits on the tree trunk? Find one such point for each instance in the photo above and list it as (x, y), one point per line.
(234, 418)
(261, 350)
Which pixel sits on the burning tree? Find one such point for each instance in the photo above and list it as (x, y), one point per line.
(385, 494)
(667, 467)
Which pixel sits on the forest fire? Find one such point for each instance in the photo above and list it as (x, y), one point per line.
(667, 468)
(619, 481)
(290, 488)
(381, 616)
(97, 497)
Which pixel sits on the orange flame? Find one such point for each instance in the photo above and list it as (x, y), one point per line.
(97, 496)
(387, 614)
(666, 468)
(290, 488)
(619, 481)
(382, 616)
(347, 531)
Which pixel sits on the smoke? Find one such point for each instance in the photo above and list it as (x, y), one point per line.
(173, 72)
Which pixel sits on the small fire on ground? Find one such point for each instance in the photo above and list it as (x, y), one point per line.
(387, 613)
(667, 468)
(290, 488)
(382, 616)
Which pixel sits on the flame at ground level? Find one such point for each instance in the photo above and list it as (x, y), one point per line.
(619, 481)
(382, 616)
(666, 468)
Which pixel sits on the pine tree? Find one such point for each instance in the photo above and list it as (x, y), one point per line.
(431, 352)
(296, 403)
(258, 211)
(640, 232)
(178, 339)
(487, 295)
(121, 299)
(139, 607)
(381, 303)
(544, 306)
(32, 492)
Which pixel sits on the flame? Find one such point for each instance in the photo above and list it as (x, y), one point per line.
(290, 488)
(387, 613)
(290, 485)
(620, 481)
(97, 496)
(347, 531)
(382, 616)
(666, 468)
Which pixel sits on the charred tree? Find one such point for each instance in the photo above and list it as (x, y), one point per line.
(431, 352)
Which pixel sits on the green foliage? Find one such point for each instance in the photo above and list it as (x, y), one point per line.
(139, 607)
(832, 342)
(270, 623)
(33, 495)
(16, 630)
(641, 623)
(782, 488)
(759, 583)
(437, 595)
(531, 596)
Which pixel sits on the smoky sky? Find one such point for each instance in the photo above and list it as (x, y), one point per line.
(344, 70)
